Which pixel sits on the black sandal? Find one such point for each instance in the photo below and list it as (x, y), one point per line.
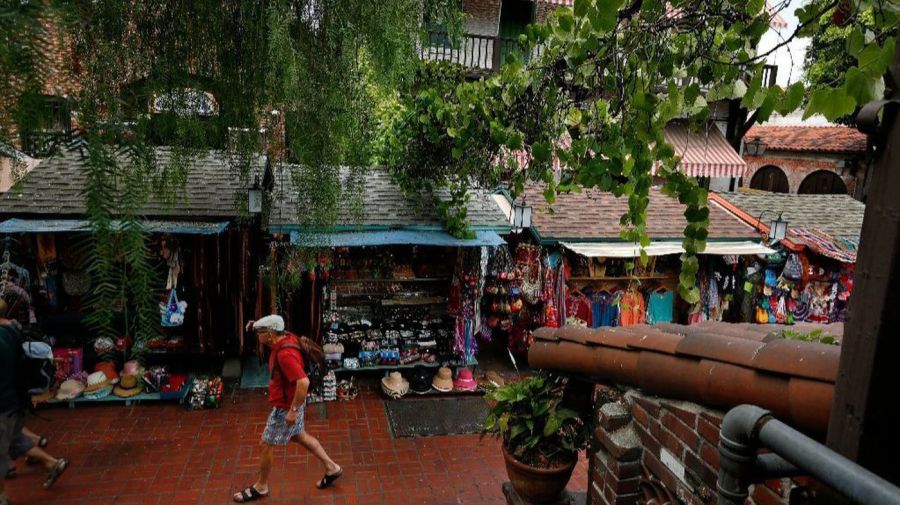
(249, 494)
(43, 442)
(328, 480)
(55, 473)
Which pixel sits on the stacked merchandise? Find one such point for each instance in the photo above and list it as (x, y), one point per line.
(399, 340)
(511, 306)
(205, 394)
(327, 392)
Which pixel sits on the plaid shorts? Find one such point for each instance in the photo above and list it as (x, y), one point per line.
(278, 431)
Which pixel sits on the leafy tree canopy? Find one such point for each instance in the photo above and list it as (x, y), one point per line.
(602, 81)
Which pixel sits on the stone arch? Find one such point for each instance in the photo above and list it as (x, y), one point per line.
(770, 178)
(822, 182)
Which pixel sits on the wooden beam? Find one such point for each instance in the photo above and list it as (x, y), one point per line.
(865, 415)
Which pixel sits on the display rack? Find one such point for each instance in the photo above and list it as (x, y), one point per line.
(150, 397)
(472, 362)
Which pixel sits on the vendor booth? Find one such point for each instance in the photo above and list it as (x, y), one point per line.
(387, 288)
(200, 260)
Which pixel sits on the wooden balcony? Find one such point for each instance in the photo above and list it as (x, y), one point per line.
(480, 54)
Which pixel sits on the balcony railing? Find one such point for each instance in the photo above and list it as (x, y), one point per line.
(478, 53)
(770, 74)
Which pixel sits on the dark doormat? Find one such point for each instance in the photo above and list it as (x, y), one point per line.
(436, 416)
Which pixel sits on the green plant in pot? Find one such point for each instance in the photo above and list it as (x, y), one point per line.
(541, 438)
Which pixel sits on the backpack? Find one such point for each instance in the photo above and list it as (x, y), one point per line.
(35, 368)
(313, 361)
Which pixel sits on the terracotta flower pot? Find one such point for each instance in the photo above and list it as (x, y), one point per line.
(537, 485)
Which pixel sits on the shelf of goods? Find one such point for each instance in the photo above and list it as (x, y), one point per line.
(148, 397)
(390, 368)
(410, 279)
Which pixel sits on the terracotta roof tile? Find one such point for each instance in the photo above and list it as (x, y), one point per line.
(718, 364)
(827, 139)
(593, 214)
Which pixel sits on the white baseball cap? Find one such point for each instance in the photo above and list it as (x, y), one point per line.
(270, 322)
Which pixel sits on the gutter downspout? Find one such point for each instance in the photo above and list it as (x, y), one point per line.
(747, 428)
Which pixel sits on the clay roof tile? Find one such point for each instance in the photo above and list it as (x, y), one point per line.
(800, 359)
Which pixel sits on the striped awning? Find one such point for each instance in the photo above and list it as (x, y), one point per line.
(704, 153)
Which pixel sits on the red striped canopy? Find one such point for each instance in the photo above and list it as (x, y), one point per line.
(705, 153)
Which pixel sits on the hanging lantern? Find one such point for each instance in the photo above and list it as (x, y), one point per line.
(777, 229)
(254, 198)
(521, 217)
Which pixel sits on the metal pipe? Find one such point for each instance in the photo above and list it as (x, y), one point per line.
(747, 428)
(845, 476)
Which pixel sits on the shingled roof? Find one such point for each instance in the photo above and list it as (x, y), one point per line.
(717, 364)
(56, 188)
(594, 215)
(381, 204)
(840, 216)
(827, 139)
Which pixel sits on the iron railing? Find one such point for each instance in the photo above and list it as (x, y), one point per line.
(746, 429)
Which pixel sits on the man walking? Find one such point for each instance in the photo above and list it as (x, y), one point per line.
(288, 386)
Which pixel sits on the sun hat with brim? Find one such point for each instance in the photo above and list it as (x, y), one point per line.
(97, 381)
(69, 390)
(420, 380)
(99, 394)
(394, 385)
(131, 367)
(443, 380)
(129, 386)
(465, 381)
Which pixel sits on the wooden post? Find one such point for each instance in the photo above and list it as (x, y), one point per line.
(865, 415)
(495, 56)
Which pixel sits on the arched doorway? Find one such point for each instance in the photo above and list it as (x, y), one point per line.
(822, 182)
(770, 178)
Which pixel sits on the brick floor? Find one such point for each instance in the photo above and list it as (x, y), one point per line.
(162, 454)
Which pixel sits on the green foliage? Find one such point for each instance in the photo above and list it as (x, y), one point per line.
(600, 85)
(535, 428)
(817, 335)
(856, 53)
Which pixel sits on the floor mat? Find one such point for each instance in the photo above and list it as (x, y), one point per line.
(253, 374)
(413, 417)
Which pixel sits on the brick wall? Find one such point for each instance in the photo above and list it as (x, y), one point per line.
(649, 446)
(482, 16)
(797, 166)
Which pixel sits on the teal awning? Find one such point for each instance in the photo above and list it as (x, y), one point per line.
(394, 237)
(82, 225)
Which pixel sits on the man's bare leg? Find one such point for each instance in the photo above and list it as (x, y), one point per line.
(265, 468)
(312, 445)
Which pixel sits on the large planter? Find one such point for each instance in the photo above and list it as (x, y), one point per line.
(537, 485)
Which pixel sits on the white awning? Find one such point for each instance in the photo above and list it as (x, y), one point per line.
(631, 250)
(736, 248)
(622, 249)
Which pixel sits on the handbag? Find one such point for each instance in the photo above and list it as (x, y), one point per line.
(793, 269)
(172, 314)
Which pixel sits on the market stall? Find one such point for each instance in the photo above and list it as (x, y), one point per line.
(598, 279)
(389, 290)
(811, 277)
(198, 260)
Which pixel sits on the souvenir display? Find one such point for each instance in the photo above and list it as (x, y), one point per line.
(205, 394)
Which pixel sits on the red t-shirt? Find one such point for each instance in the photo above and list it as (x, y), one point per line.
(283, 383)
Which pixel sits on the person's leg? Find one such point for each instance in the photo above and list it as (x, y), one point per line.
(42, 457)
(30, 434)
(311, 444)
(9, 425)
(265, 467)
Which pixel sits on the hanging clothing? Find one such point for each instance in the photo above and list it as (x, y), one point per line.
(631, 308)
(578, 307)
(18, 303)
(660, 308)
(607, 309)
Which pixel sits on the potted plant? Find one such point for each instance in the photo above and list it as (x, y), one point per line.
(540, 437)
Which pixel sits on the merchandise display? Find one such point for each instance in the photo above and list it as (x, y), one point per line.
(395, 385)
(443, 380)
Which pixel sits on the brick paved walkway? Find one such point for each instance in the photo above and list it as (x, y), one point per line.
(163, 454)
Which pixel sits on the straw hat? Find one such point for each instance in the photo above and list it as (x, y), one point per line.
(394, 385)
(129, 386)
(420, 382)
(69, 390)
(443, 380)
(465, 381)
(98, 386)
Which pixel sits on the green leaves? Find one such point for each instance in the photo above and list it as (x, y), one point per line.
(830, 102)
(792, 98)
(860, 86)
(605, 15)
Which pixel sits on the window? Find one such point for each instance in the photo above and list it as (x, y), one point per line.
(822, 182)
(52, 125)
(770, 178)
